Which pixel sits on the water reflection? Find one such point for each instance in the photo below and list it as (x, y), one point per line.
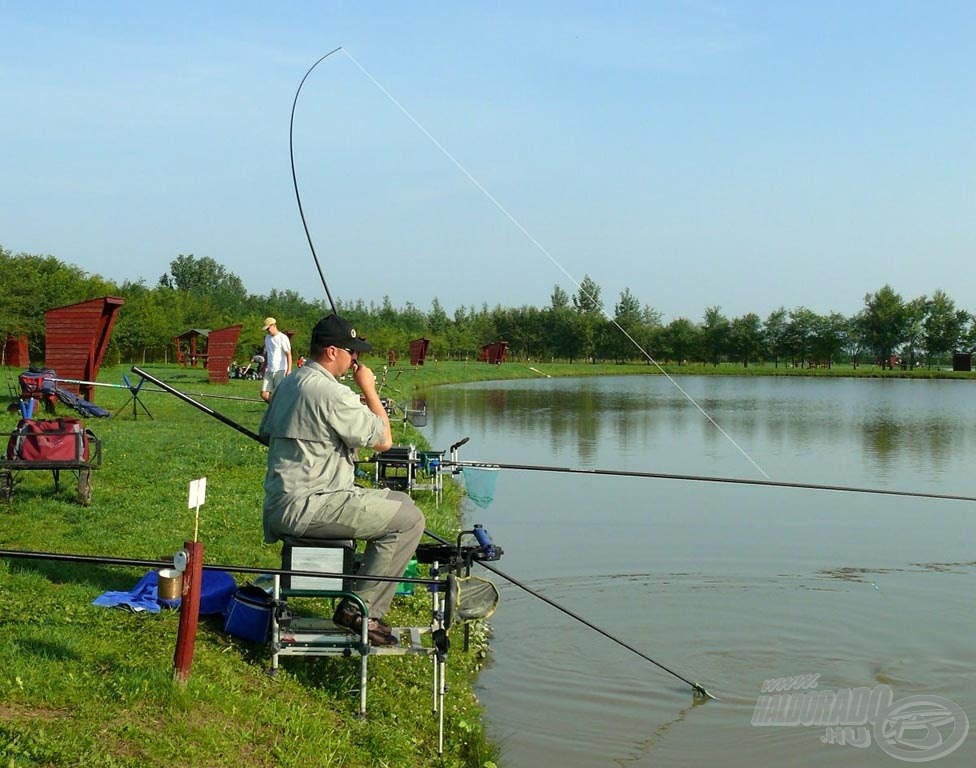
(730, 585)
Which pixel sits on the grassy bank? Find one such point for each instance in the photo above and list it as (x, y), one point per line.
(91, 686)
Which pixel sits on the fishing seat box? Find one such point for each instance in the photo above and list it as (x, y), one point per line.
(334, 556)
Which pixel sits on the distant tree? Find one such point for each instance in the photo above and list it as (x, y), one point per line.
(559, 298)
(628, 316)
(680, 340)
(715, 335)
(915, 312)
(944, 327)
(775, 334)
(884, 323)
(746, 338)
(437, 320)
(831, 335)
(586, 300)
(800, 329)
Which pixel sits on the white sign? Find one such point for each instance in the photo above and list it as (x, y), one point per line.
(198, 492)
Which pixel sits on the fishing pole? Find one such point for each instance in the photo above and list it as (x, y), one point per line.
(708, 479)
(132, 388)
(209, 411)
(696, 687)
(294, 177)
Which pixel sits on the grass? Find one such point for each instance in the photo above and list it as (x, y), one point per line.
(89, 686)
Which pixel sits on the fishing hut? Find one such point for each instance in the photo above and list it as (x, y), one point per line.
(418, 351)
(221, 346)
(494, 353)
(76, 338)
(189, 348)
(16, 353)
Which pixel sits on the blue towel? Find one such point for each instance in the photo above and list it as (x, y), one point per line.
(142, 597)
(216, 590)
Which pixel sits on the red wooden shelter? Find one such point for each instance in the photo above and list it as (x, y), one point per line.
(221, 348)
(418, 351)
(186, 347)
(76, 338)
(493, 353)
(15, 351)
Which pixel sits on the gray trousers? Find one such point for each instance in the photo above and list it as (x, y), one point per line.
(390, 524)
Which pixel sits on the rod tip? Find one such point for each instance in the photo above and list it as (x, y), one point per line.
(700, 693)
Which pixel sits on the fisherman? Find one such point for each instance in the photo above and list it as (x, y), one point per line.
(314, 428)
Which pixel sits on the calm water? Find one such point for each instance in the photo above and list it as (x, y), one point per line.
(727, 585)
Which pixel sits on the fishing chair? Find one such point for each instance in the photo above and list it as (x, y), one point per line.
(293, 635)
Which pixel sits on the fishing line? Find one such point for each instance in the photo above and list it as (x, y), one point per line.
(708, 479)
(542, 249)
(696, 687)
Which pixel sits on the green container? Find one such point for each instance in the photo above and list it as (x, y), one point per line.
(412, 572)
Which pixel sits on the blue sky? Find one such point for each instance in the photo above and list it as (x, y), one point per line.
(744, 155)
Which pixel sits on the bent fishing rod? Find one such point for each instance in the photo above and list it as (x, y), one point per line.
(710, 479)
(697, 688)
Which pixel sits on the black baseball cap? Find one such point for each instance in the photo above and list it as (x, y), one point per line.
(333, 331)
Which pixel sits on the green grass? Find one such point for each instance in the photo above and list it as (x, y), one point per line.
(90, 686)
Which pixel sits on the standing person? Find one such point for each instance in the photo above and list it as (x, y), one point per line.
(314, 427)
(277, 356)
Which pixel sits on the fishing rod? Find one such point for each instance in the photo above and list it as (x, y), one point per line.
(20, 554)
(132, 388)
(698, 689)
(187, 399)
(294, 177)
(707, 479)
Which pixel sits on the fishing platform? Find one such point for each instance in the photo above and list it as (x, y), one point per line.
(323, 568)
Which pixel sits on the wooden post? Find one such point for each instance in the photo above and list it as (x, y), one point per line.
(189, 611)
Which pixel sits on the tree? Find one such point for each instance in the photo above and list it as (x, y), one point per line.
(944, 326)
(559, 298)
(884, 323)
(774, 333)
(680, 340)
(715, 335)
(627, 316)
(746, 338)
(587, 299)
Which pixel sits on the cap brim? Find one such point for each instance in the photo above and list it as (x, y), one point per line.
(357, 345)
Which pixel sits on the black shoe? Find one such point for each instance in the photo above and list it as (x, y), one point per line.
(348, 616)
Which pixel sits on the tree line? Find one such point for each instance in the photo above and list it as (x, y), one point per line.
(199, 293)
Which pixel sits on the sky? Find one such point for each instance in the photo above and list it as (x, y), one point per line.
(706, 153)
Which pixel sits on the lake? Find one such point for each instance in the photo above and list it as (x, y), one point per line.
(730, 586)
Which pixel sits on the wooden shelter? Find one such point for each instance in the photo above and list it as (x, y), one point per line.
(221, 349)
(76, 338)
(494, 353)
(16, 354)
(418, 351)
(187, 351)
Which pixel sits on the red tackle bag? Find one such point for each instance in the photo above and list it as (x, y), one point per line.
(61, 439)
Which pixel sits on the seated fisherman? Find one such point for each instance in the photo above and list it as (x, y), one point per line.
(314, 427)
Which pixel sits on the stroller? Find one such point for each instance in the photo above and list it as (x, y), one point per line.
(252, 371)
